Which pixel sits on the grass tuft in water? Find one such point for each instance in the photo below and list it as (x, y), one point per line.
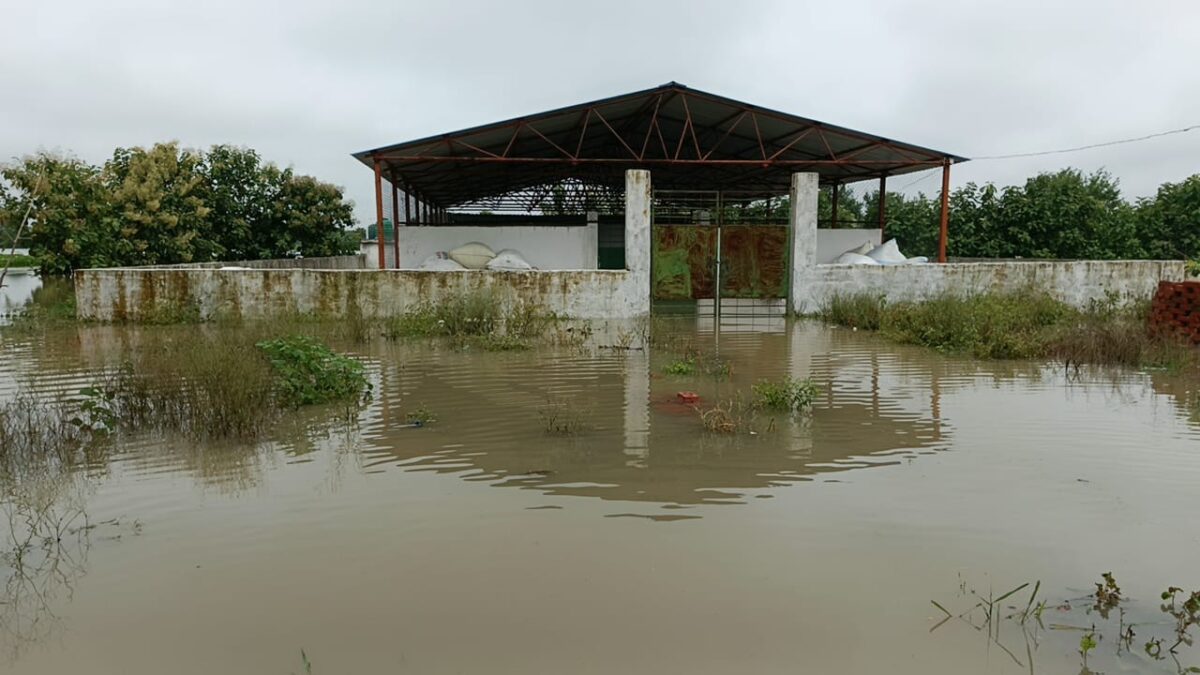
(562, 417)
(788, 394)
(856, 310)
(729, 416)
(419, 416)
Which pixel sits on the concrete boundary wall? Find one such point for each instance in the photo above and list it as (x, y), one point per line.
(135, 294)
(337, 262)
(1076, 282)
(342, 287)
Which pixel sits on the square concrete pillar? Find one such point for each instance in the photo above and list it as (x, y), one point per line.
(802, 234)
(637, 236)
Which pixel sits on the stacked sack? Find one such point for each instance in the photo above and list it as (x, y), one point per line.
(887, 253)
(1176, 310)
(476, 256)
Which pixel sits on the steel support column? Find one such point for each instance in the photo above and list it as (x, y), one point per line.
(379, 214)
(833, 218)
(395, 223)
(945, 224)
(882, 207)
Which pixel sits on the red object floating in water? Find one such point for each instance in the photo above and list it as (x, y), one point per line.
(688, 396)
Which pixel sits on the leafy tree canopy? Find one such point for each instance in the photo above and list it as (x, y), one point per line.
(163, 205)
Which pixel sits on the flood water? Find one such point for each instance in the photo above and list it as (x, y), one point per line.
(640, 544)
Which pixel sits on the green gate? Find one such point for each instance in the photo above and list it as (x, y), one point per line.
(709, 246)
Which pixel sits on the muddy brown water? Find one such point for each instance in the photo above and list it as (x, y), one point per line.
(641, 544)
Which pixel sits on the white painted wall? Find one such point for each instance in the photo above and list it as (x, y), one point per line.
(571, 247)
(832, 243)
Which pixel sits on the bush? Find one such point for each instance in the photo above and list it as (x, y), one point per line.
(1019, 325)
(859, 310)
(309, 372)
(988, 325)
(787, 394)
(472, 319)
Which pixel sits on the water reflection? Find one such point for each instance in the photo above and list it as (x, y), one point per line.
(43, 547)
(641, 444)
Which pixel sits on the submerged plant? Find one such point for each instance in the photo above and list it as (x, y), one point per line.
(561, 417)
(684, 366)
(695, 362)
(419, 416)
(730, 416)
(788, 394)
(310, 372)
(1108, 594)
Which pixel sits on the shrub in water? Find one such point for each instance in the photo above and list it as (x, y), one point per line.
(859, 310)
(310, 372)
(787, 394)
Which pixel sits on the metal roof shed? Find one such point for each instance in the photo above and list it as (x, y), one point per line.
(689, 139)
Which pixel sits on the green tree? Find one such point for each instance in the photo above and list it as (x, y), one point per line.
(1069, 215)
(72, 220)
(850, 208)
(159, 196)
(240, 196)
(260, 211)
(1169, 223)
(309, 217)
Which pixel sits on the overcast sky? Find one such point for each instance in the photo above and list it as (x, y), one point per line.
(308, 82)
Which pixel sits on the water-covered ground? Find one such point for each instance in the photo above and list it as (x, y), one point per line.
(639, 543)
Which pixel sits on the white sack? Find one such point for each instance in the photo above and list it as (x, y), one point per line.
(473, 256)
(509, 260)
(887, 252)
(439, 262)
(852, 258)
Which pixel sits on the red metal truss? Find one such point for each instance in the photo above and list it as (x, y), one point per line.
(689, 139)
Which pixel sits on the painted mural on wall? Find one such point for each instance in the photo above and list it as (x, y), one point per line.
(754, 262)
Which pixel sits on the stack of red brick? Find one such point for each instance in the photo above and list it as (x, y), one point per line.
(1176, 310)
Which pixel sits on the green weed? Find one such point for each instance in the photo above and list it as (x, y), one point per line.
(684, 366)
(1029, 324)
(419, 416)
(787, 394)
(310, 372)
(861, 310)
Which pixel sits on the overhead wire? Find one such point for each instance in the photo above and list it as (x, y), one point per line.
(929, 172)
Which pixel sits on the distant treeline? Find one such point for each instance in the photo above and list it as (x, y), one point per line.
(1067, 214)
(165, 205)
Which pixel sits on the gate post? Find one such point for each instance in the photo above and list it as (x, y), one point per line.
(802, 237)
(637, 238)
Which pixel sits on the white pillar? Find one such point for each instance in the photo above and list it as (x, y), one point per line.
(637, 239)
(802, 222)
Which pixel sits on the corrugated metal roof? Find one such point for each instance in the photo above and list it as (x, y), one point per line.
(687, 138)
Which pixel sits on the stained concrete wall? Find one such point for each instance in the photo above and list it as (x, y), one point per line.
(265, 288)
(545, 247)
(1078, 283)
(134, 294)
(1075, 282)
(338, 262)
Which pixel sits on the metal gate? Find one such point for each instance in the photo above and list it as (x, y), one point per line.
(719, 252)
